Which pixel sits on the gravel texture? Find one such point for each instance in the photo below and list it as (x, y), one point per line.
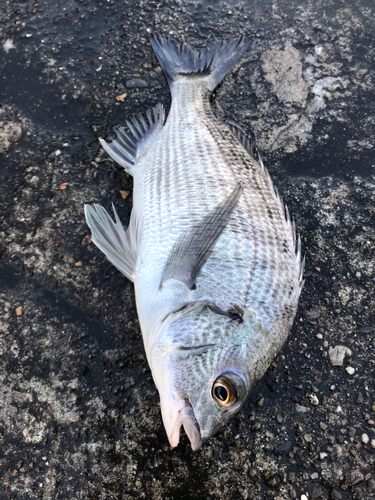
(79, 413)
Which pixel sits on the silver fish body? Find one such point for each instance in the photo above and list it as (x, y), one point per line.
(210, 248)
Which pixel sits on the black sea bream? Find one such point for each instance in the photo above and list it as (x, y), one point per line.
(210, 247)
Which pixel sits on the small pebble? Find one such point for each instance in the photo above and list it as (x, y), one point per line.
(323, 455)
(136, 83)
(307, 438)
(292, 477)
(366, 329)
(353, 477)
(284, 448)
(323, 426)
(319, 336)
(337, 354)
(365, 438)
(256, 426)
(373, 408)
(86, 240)
(371, 422)
(124, 193)
(304, 497)
(301, 408)
(293, 494)
(313, 399)
(272, 481)
(314, 475)
(121, 97)
(336, 495)
(350, 370)
(372, 443)
(18, 311)
(279, 418)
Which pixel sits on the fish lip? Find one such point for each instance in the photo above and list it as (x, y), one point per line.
(187, 419)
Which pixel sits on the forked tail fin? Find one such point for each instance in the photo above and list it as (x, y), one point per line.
(213, 62)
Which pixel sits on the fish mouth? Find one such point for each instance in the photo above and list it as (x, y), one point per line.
(186, 418)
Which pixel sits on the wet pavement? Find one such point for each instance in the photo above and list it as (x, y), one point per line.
(79, 413)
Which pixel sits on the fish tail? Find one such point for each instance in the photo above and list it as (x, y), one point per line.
(210, 63)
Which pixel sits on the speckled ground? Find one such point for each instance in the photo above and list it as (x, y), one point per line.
(79, 413)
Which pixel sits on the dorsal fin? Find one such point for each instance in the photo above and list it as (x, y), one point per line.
(247, 141)
(291, 224)
(127, 148)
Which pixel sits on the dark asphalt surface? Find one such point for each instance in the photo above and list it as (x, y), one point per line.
(79, 413)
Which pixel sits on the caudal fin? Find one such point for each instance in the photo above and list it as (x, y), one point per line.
(213, 62)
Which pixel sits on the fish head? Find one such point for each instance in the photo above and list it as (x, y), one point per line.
(204, 366)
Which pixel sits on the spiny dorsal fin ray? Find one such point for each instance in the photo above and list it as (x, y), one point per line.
(126, 148)
(191, 251)
(120, 246)
(291, 224)
(247, 141)
(249, 144)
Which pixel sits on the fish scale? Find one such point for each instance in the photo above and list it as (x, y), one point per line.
(251, 256)
(210, 247)
(183, 175)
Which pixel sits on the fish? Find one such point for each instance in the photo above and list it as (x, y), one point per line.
(210, 247)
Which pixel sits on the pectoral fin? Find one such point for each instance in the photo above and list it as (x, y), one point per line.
(120, 246)
(191, 251)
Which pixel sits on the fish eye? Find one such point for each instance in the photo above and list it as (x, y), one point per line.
(224, 392)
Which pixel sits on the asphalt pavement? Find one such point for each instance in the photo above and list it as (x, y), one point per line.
(79, 412)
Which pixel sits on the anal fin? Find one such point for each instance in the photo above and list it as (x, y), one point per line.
(191, 251)
(127, 148)
(120, 246)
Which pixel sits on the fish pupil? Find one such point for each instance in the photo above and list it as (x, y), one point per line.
(221, 393)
